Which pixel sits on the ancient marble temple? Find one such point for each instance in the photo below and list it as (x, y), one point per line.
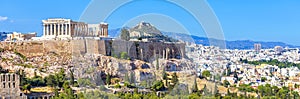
(66, 28)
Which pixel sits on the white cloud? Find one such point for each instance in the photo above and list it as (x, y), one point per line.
(2, 18)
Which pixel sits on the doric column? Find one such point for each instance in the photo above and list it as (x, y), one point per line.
(105, 30)
(101, 31)
(85, 30)
(55, 29)
(44, 28)
(51, 29)
(75, 29)
(65, 29)
(47, 29)
(69, 29)
(163, 55)
(59, 30)
(81, 30)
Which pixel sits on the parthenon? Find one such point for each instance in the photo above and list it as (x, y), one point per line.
(66, 28)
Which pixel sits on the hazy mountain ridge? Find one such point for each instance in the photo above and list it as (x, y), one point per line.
(238, 44)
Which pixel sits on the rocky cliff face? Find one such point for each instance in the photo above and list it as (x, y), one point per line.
(144, 29)
(119, 67)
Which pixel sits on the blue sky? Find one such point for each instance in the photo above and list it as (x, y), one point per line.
(259, 20)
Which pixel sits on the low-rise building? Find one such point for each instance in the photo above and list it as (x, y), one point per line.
(17, 36)
(10, 89)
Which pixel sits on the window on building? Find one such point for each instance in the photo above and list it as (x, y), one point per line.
(13, 77)
(3, 77)
(3, 85)
(14, 85)
(8, 77)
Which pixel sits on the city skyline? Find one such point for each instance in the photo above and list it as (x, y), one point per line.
(248, 20)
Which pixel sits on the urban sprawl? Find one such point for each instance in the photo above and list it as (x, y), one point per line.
(75, 60)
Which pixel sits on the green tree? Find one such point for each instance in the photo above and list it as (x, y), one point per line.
(60, 77)
(124, 55)
(68, 93)
(27, 87)
(164, 74)
(261, 90)
(132, 78)
(235, 75)
(275, 89)
(117, 85)
(206, 91)
(194, 96)
(296, 86)
(125, 34)
(157, 63)
(228, 71)
(283, 93)
(195, 86)
(51, 81)
(226, 83)
(126, 78)
(127, 84)
(158, 86)
(263, 79)
(108, 79)
(174, 78)
(295, 95)
(72, 79)
(206, 74)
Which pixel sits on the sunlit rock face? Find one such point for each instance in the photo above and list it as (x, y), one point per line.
(144, 29)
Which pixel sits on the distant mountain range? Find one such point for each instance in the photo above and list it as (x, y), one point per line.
(238, 44)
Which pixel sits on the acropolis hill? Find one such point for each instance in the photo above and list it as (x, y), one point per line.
(88, 51)
(67, 43)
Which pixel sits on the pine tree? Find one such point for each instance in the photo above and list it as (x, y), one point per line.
(164, 74)
(195, 86)
(157, 63)
(132, 78)
(126, 78)
(125, 34)
(108, 78)
(228, 71)
(228, 92)
(205, 90)
(216, 92)
(72, 80)
(60, 77)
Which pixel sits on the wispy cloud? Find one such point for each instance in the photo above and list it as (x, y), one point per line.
(3, 18)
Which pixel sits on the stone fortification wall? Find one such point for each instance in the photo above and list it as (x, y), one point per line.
(148, 51)
(38, 48)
